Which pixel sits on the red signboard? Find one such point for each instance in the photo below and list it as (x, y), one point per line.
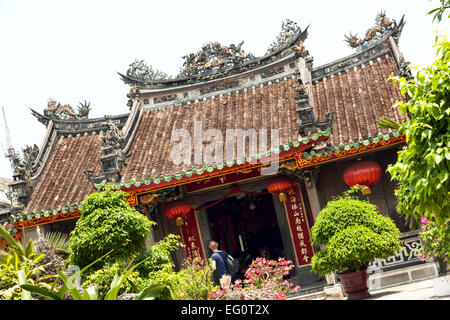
(191, 237)
(298, 226)
(223, 180)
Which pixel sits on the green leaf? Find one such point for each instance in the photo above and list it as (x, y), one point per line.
(16, 246)
(73, 290)
(434, 110)
(26, 295)
(62, 291)
(40, 291)
(117, 282)
(443, 176)
(151, 292)
(389, 124)
(90, 293)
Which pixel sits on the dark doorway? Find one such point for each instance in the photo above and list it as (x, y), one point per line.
(65, 226)
(246, 227)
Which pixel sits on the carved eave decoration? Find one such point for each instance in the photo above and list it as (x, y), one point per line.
(112, 157)
(21, 186)
(308, 123)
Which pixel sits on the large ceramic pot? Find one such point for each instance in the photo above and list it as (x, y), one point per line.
(443, 265)
(355, 284)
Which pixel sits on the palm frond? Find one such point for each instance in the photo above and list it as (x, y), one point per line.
(58, 241)
(15, 245)
(389, 124)
(30, 249)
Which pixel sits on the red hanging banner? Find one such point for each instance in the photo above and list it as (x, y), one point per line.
(191, 236)
(298, 226)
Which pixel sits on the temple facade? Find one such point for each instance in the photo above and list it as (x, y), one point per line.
(254, 147)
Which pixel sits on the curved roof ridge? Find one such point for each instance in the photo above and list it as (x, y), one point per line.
(359, 57)
(236, 69)
(59, 127)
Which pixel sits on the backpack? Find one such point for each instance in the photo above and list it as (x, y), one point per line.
(232, 265)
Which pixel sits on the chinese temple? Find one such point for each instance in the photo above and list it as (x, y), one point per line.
(320, 124)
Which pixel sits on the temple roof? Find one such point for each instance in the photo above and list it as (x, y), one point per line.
(359, 97)
(63, 181)
(271, 106)
(278, 91)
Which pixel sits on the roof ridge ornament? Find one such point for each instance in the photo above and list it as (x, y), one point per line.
(383, 25)
(21, 186)
(289, 30)
(112, 157)
(57, 111)
(113, 137)
(214, 61)
(213, 57)
(139, 69)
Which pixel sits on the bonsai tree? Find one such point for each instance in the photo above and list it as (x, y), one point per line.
(108, 223)
(354, 233)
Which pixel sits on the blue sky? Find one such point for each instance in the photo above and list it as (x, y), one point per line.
(72, 50)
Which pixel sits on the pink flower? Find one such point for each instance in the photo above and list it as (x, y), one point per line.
(424, 220)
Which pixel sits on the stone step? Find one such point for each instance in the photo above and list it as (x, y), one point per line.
(402, 276)
(319, 295)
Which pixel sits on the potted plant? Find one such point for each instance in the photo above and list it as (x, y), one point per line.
(435, 247)
(352, 233)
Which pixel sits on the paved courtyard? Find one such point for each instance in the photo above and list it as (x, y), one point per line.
(420, 290)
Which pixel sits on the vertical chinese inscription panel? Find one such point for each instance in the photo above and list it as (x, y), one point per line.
(298, 226)
(191, 236)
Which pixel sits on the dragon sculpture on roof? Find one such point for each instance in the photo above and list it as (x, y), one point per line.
(289, 30)
(56, 110)
(382, 26)
(214, 57)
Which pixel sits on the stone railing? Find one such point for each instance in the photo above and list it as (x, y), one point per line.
(408, 256)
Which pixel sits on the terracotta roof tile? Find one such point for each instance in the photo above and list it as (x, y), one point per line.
(268, 107)
(359, 97)
(62, 180)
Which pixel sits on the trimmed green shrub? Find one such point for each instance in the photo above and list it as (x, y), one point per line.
(107, 222)
(354, 234)
(158, 255)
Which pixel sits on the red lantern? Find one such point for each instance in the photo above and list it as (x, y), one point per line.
(279, 185)
(364, 173)
(177, 209)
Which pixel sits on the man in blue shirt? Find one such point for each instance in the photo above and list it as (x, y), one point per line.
(218, 259)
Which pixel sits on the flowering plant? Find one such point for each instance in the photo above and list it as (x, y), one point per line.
(436, 239)
(263, 281)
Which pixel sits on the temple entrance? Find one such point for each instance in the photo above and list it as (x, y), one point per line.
(246, 227)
